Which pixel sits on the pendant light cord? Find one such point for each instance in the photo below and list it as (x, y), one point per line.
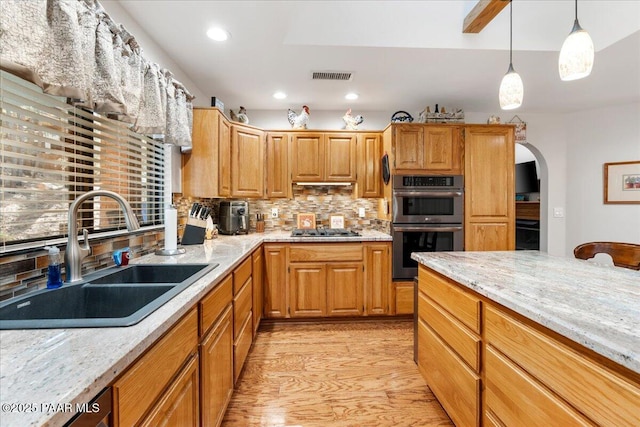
(511, 31)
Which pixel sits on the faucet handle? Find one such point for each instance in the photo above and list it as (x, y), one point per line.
(85, 246)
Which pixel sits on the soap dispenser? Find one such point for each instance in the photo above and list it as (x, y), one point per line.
(54, 277)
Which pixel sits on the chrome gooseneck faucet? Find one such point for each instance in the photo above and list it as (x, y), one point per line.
(74, 254)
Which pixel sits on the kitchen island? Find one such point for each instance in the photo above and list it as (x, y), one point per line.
(529, 338)
(44, 373)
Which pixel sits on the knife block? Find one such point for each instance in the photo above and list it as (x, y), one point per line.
(194, 232)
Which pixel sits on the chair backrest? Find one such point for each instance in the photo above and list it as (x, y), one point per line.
(625, 255)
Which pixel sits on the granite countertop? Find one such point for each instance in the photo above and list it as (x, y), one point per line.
(595, 305)
(40, 368)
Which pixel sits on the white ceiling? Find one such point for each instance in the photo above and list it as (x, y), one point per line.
(405, 55)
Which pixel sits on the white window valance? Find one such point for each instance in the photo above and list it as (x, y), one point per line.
(72, 48)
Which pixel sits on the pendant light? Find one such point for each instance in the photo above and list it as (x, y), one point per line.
(511, 88)
(576, 55)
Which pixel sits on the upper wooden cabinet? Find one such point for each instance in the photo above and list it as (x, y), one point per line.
(489, 188)
(422, 149)
(278, 184)
(247, 162)
(226, 160)
(369, 165)
(323, 156)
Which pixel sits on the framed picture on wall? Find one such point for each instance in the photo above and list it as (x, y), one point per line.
(622, 182)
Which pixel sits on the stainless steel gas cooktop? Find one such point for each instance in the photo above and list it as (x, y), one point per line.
(323, 232)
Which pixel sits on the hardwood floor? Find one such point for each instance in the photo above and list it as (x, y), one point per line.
(333, 374)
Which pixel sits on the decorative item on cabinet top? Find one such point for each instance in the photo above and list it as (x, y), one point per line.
(299, 121)
(351, 123)
(241, 117)
(521, 129)
(441, 116)
(401, 117)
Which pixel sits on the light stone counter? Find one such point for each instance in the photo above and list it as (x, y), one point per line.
(44, 367)
(595, 305)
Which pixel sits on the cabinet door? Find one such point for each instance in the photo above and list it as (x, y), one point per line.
(180, 404)
(489, 188)
(340, 157)
(344, 289)
(224, 166)
(307, 157)
(378, 278)
(258, 286)
(216, 370)
(275, 281)
(278, 183)
(201, 168)
(308, 290)
(408, 148)
(369, 164)
(247, 162)
(442, 151)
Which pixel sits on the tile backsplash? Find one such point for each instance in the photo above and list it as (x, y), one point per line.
(321, 200)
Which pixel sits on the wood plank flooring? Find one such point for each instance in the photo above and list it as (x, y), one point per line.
(333, 375)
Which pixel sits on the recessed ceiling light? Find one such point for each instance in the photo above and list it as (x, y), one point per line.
(279, 95)
(351, 96)
(218, 34)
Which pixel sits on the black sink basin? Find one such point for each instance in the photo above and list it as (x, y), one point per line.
(115, 297)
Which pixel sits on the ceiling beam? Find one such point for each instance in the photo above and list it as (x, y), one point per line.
(481, 14)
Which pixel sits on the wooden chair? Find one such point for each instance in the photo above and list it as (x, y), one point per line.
(625, 255)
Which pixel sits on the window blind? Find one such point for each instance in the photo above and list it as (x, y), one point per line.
(51, 152)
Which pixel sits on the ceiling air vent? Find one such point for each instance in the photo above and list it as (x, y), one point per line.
(331, 75)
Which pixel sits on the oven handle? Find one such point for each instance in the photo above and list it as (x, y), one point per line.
(427, 228)
(428, 193)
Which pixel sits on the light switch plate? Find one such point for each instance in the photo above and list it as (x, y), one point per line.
(558, 212)
(361, 212)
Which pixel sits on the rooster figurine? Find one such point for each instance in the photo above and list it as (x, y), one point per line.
(241, 116)
(299, 121)
(352, 122)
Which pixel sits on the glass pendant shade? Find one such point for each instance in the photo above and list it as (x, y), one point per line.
(576, 55)
(511, 90)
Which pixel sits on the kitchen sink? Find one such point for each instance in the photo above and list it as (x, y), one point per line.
(113, 297)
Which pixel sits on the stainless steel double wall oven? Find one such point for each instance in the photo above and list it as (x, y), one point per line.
(428, 216)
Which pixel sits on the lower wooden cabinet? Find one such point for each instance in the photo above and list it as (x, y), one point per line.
(180, 404)
(327, 279)
(530, 375)
(403, 292)
(216, 370)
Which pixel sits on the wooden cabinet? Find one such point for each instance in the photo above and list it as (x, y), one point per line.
(180, 404)
(278, 183)
(327, 279)
(377, 278)
(207, 168)
(247, 162)
(225, 160)
(369, 165)
(275, 281)
(524, 365)
(426, 149)
(257, 275)
(216, 352)
(449, 345)
(319, 157)
(150, 379)
(403, 301)
(489, 188)
(242, 315)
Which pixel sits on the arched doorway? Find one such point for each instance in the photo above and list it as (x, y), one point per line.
(526, 153)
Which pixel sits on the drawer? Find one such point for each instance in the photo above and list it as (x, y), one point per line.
(241, 347)
(602, 395)
(241, 274)
(140, 386)
(241, 307)
(510, 394)
(464, 342)
(404, 297)
(214, 303)
(461, 304)
(455, 385)
(326, 252)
